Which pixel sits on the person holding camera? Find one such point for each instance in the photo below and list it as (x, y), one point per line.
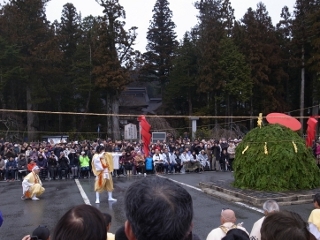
(63, 165)
(53, 165)
(84, 164)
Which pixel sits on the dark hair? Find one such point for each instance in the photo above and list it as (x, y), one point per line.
(107, 218)
(158, 209)
(284, 225)
(236, 234)
(120, 234)
(81, 222)
(316, 198)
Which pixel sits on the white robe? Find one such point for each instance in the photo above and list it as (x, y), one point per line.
(255, 232)
(218, 233)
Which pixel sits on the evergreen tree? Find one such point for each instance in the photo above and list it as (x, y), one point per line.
(161, 44)
(24, 24)
(181, 90)
(113, 57)
(215, 23)
(263, 53)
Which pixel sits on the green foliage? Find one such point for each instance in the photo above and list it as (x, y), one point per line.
(282, 168)
(203, 133)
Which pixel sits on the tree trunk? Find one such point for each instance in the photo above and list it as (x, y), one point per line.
(109, 111)
(30, 117)
(115, 118)
(302, 90)
(216, 109)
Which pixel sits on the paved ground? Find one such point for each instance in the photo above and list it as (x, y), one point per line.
(21, 217)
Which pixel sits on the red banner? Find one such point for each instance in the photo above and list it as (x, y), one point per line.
(311, 131)
(145, 134)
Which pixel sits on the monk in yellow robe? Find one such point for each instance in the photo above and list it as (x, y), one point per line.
(102, 167)
(32, 185)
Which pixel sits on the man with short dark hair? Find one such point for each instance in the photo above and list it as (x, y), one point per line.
(285, 225)
(158, 209)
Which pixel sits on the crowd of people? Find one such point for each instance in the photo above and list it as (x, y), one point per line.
(74, 159)
(144, 221)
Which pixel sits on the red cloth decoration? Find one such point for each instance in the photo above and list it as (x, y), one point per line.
(145, 134)
(311, 131)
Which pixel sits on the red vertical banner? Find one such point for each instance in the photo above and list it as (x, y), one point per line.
(311, 131)
(145, 134)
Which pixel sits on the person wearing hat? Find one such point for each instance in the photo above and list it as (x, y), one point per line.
(32, 185)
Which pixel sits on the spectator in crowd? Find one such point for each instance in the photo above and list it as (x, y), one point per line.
(2, 169)
(127, 160)
(53, 165)
(178, 162)
(228, 221)
(40, 233)
(216, 154)
(172, 162)
(81, 222)
(84, 164)
(195, 164)
(139, 163)
(11, 168)
(165, 156)
(224, 144)
(269, 207)
(231, 150)
(203, 159)
(42, 163)
(157, 209)
(185, 160)
(314, 218)
(224, 160)
(63, 165)
(158, 161)
(108, 219)
(22, 166)
(32, 185)
(74, 163)
(285, 225)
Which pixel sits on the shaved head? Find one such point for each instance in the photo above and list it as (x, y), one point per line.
(228, 216)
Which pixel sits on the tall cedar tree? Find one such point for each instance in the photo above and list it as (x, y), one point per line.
(24, 24)
(235, 72)
(302, 51)
(181, 90)
(69, 33)
(215, 23)
(284, 35)
(261, 48)
(113, 58)
(161, 44)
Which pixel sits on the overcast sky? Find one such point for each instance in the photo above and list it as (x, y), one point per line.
(139, 13)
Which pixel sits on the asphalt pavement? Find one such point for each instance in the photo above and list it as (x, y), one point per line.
(21, 217)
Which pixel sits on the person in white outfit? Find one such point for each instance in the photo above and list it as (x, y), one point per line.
(269, 206)
(185, 160)
(203, 158)
(228, 221)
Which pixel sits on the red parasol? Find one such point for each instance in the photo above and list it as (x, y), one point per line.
(284, 120)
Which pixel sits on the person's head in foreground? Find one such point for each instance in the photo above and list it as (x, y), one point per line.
(41, 233)
(227, 215)
(236, 234)
(316, 200)
(285, 225)
(270, 206)
(158, 209)
(81, 222)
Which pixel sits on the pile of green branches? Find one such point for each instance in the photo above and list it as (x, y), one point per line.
(274, 158)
